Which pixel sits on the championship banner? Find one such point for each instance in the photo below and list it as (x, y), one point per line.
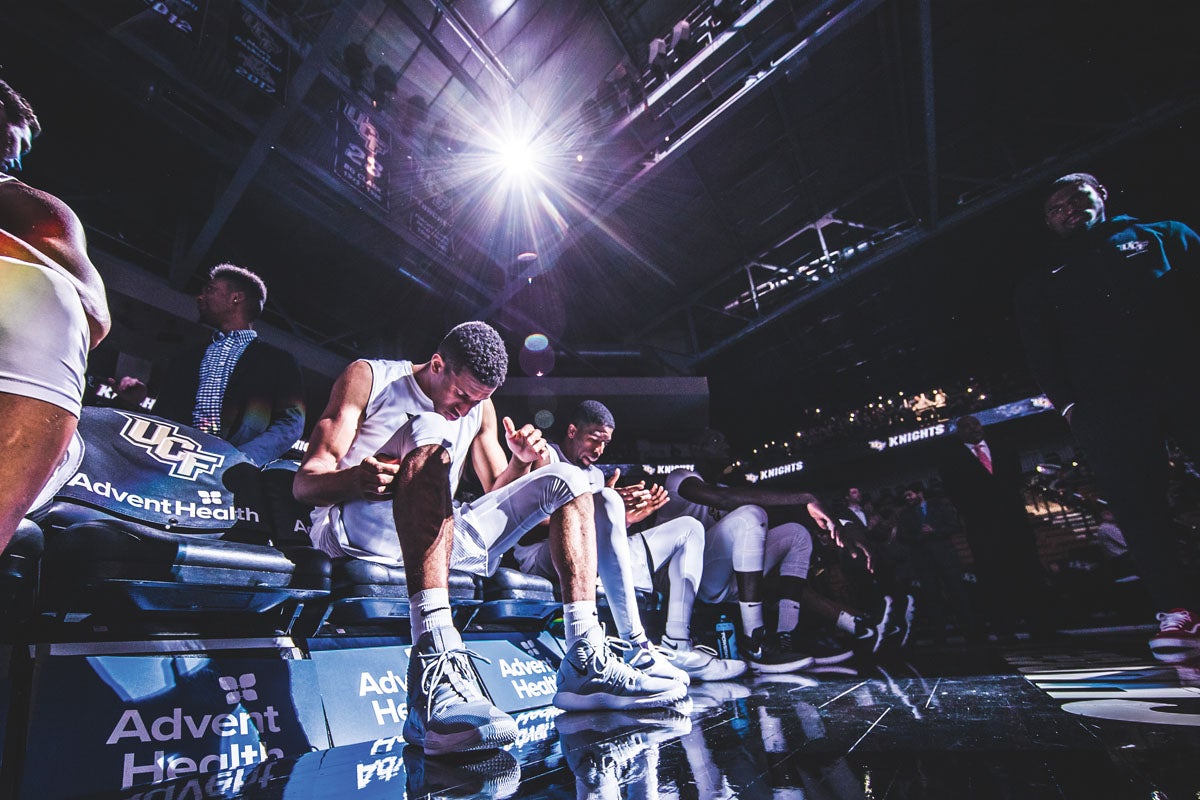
(176, 17)
(259, 53)
(361, 150)
(129, 721)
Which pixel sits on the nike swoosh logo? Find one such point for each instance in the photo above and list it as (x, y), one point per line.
(578, 669)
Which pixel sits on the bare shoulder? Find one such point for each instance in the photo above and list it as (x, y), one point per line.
(35, 215)
(352, 390)
(487, 415)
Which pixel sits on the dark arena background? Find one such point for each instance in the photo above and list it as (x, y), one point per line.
(799, 222)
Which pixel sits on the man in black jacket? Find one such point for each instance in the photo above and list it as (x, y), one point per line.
(1112, 335)
(982, 478)
(233, 386)
(924, 527)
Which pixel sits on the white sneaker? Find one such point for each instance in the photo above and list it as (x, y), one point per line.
(649, 659)
(702, 663)
(592, 678)
(448, 711)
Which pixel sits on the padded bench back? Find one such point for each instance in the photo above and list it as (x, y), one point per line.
(160, 474)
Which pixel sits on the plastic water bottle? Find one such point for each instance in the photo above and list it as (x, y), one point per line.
(726, 638)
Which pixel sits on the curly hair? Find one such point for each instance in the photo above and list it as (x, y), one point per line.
(476, 347)
(592, 412)
(18, 110)
(244, 281)
(1075, 179)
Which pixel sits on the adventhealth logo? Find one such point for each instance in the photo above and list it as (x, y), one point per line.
(212, 498)
(238, 737)
(239, 688)
(166, 445)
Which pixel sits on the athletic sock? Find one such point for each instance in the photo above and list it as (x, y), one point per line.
(429, 609)
(752, 616)
(579, 620)
(789, 615)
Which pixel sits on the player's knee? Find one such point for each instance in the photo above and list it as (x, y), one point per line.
(569, 478)
(749, 517)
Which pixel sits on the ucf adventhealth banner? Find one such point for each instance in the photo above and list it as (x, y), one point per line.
(130, 721)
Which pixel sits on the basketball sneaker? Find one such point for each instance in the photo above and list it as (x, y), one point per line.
(592, 678)
(700, 662)
(448, 711)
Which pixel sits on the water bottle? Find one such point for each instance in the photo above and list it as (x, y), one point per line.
(726, 638)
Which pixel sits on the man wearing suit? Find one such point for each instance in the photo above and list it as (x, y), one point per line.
(234, 386)
(924, 528)
(983, 480)
(1111, 333)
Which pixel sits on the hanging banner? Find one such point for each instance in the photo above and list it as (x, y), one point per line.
(361, 150)
(181, 16)
(259, 53)
(171, 28)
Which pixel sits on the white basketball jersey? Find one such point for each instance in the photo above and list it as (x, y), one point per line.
(365, 528)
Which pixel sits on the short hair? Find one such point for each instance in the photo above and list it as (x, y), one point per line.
(917, 487)
(18, 110)
(245, 281)
(476, 347)
(1074, 179)
(592, 412)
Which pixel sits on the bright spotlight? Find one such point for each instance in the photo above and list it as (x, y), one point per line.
(517, 157)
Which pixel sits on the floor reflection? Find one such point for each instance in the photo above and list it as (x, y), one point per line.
(980, 723)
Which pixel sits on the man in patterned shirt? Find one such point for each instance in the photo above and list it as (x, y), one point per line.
(234, 386)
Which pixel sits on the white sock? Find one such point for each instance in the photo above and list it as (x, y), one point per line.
(752, 617)
(789, 615)
(674, 643)
(429, 609)
(580, 620)
(845, 622)
(677, 630)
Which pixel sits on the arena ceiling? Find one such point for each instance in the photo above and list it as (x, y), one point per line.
(824, 200)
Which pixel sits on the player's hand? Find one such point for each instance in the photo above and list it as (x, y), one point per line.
(658, 498)
(375, 475)
(635, 495)
(612, 481)
(525, 443)
(130, 390)
(823, 520)
(852, 541)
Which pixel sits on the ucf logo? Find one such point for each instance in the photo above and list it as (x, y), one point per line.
(166, 445)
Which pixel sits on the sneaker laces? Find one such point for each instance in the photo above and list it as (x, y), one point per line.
(1176, 620)
(454, 666)
(617, 644)
(615, 671)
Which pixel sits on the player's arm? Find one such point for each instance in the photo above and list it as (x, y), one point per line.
(319, 481)
(487, 456)
(731, 497)
(47, 231)
(697, 490)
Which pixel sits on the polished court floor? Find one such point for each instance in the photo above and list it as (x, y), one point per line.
(1079, 717)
